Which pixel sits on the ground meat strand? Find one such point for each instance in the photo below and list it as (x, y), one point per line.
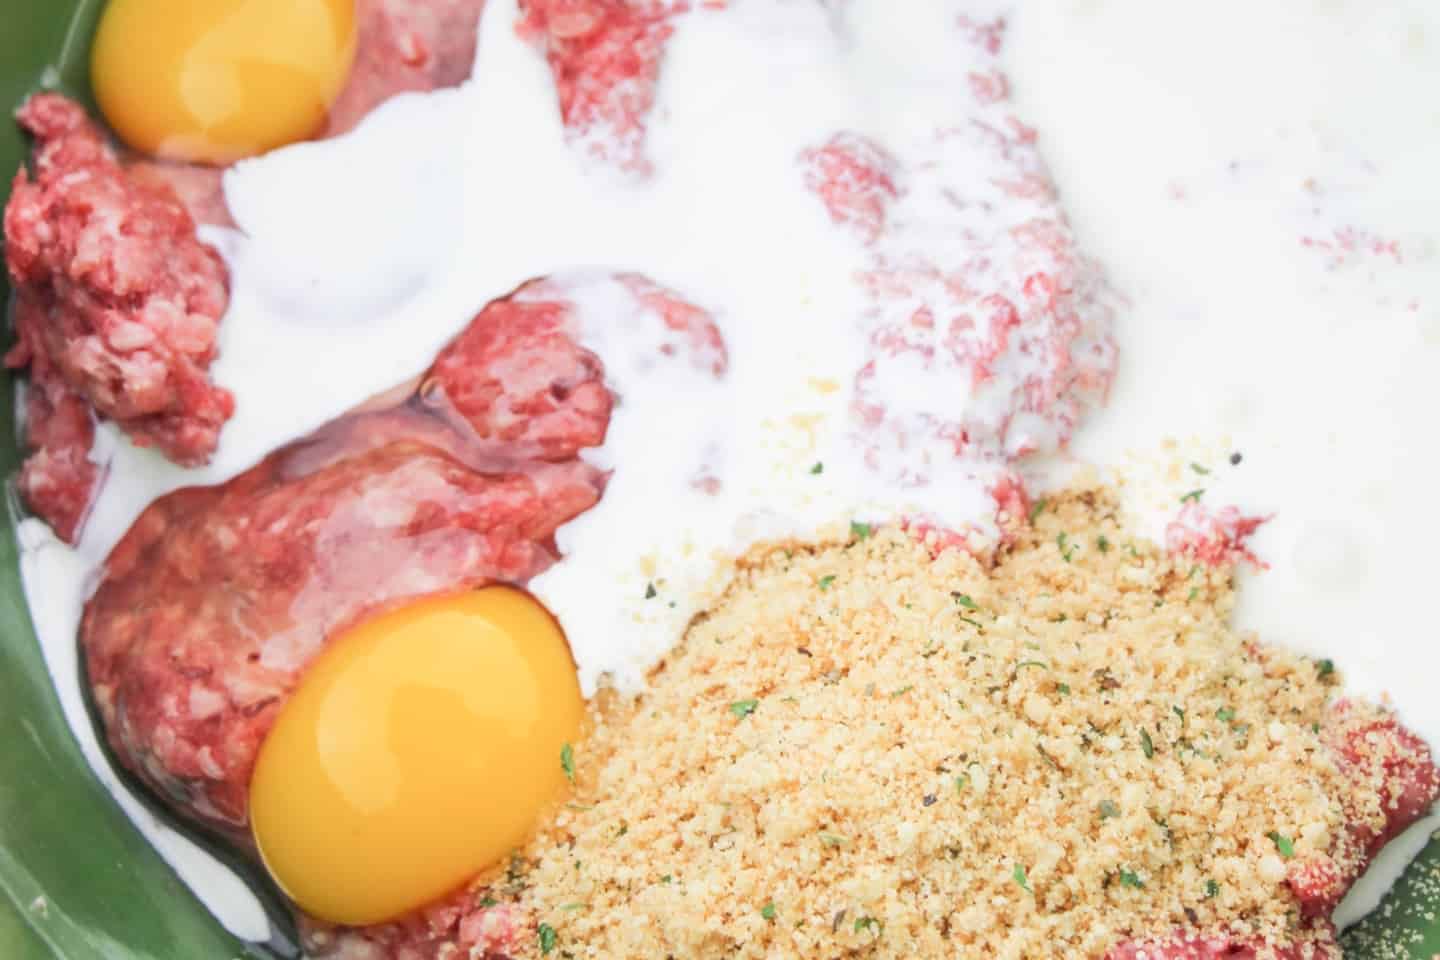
(58, 480)
(605, 55)
(118, 303)
(1214, 537)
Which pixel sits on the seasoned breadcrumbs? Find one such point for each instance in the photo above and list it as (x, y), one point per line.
(864, 750)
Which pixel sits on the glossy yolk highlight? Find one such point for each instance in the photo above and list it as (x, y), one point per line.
(211, 81)
(418, 750)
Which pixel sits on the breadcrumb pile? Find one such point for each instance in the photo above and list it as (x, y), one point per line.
(862, 749)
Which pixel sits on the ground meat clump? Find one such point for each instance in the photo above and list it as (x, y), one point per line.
(977, 288)
(605, 56)
(212, 605)
(1058, 750)
(118, 305)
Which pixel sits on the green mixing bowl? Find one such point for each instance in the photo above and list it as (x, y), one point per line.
(76, 879)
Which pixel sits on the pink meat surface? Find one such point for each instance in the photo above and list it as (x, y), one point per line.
(460, 926)
(605, 56)
(118, 307)
(198, 188)
(212, 605)
(405, 45)
(1214, 537)
(977, 290)
(1183, 946)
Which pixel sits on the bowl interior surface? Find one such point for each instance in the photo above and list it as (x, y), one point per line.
(76, 879)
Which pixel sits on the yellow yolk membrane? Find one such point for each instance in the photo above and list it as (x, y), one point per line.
(212, 81)
(418, 750)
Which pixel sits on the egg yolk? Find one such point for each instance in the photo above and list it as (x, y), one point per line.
(418, 750)
(211, 81)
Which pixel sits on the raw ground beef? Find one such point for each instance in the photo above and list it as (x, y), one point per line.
(460, 922)
(1214, 537)
(215, 601)
(81, 249)
(1188, 947)
(117, 309)
(405, 45)
(605, 56)
(118, 302)
(976, 285)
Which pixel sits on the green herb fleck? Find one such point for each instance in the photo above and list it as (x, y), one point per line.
(831, 840)
(826, 580)
(961, 781)
(964, 600)
(1037, 509)
(1179, 713)
(572, 906)
(768, 911)
(1325, 668)
(1200, 470)
(869, 923)
(1284, 844)
(667, 879)
(1224, 714)
(1146, 744)
(818, 469)
(1212, 889)
(1193, 496)
(1031, 663)
(860, 531)
(902, 690)
(1194, 592)
(1108, 809)
(1130, 879)
(1019, 877)
(488, 901)
(567, 762)
(547, 938)
(649, 591)
(1062, 540)
(1064, 689)
(743, 708)
(1102, 543)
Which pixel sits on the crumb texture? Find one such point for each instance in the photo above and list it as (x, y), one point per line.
(866, 751)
